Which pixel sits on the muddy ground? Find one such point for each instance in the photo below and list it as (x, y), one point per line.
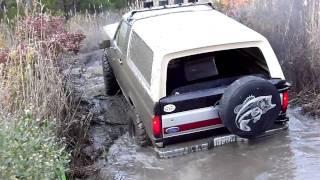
(290, 155)
(105, 115)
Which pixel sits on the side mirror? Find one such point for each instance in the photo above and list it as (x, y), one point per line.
(105, 44)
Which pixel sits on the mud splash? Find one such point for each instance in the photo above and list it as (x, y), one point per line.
(290, 155)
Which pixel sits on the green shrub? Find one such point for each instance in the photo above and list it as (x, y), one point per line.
(29, 149)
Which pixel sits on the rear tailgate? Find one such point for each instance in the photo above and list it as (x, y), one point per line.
(191, 112)
(194, 112)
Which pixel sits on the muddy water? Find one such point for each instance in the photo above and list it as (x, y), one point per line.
(290, 155)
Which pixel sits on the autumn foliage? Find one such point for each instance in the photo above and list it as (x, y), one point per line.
(234, 3)
(47, 32)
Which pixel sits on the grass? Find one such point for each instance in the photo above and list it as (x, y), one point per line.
(292, 27)
(45, 142)
(39, 117)
(91, 25)
(35, 106)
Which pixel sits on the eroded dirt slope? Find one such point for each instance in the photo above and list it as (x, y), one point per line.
(106, 115)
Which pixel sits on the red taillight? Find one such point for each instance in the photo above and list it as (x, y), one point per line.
(156, 126)
(285, 101)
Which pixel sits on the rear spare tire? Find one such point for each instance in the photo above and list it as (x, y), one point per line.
(110, 82)
(249, 106)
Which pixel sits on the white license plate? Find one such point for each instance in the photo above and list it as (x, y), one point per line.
(219, 141)
(209, 144)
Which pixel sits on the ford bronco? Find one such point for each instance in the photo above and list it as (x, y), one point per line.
(190, 72)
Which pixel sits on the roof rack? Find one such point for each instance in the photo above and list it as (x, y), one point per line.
(169, 7)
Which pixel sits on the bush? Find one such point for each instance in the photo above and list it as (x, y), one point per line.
(29, 149)
(31, 73)
(30, 76)
(50, 31)
(10, 9)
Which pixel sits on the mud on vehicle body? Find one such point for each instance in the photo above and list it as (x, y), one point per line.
(190, 71)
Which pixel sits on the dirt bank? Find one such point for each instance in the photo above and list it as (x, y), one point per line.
(105, 116)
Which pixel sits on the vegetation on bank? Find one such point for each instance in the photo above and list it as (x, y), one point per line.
(30, 149)
(36, 108)
(36, 111)
(10, 8)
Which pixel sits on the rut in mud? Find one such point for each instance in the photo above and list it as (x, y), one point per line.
(290, 155)
(105, 115)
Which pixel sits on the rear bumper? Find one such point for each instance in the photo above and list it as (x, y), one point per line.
(218, 130)
(174, 150)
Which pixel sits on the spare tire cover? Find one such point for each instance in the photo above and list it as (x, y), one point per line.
(249, 106)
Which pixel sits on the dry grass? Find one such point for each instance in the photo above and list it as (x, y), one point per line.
(91, 25)
(309, 100)
(292, 27)
(31, 79)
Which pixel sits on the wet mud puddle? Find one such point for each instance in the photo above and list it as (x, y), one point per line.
(290, 155)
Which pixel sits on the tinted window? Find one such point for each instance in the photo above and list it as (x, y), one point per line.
(141, 55)
(202, 68)
(122, 37)
(214, 69)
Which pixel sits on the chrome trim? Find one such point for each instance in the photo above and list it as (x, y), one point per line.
(191, 131)
(283, 89)
(191, 116)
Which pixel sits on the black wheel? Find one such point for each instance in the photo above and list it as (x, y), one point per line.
(111, 85)
(137, 130)
(250, 106)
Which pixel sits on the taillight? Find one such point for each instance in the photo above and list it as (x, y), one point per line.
(156, 126)
(285, 101)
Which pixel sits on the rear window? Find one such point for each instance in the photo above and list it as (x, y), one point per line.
(141, 55)
(214, 69)
(202, 68)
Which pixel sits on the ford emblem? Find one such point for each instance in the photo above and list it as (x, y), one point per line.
(172, 130)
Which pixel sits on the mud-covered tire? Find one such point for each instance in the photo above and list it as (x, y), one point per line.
(137, 130)
(249, 106)
(110, 82)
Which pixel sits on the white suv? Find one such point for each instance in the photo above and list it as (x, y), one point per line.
(191, 72)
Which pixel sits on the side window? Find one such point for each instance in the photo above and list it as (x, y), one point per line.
(141, 55)
(122, 37)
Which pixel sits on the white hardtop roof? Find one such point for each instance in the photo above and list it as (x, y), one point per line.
(179, 29)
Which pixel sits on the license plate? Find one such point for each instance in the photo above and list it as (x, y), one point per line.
(219, 141)
(208, 144)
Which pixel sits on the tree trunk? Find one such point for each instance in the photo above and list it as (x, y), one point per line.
(65, 9)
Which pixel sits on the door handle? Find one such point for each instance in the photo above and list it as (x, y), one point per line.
(120, 61)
